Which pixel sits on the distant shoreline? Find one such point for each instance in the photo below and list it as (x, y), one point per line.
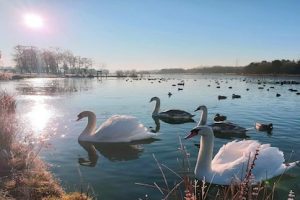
(13, 76)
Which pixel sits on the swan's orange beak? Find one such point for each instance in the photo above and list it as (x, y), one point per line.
(193, 133)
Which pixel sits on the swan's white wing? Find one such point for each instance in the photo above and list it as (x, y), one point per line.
(234, 153)
(233, 158)
(122, 128)
(269, 163)
(230, 163)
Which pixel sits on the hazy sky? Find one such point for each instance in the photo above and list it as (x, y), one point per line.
(151, 34)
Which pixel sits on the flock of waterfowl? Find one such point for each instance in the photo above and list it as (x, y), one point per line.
(227, 165)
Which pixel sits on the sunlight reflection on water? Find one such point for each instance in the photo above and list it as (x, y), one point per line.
(39, 116)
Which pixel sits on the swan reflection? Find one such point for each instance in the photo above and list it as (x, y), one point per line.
(157, 125)
(112, 151)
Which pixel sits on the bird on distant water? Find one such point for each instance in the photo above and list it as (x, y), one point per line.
(219, 118)
(263, 127)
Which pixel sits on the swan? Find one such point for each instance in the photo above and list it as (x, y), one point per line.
(174, 114)
(222, 127)
(118, 128)
(230, 163)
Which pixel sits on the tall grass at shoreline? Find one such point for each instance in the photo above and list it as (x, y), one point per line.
(22, 174)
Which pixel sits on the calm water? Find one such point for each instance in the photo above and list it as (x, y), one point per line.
(48, 109)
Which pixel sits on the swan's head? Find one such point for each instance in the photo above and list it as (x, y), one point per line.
(201, 108)
(154, 99)
(199, 130)
(83, 115)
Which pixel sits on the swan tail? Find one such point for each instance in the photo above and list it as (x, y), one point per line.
(292, 164)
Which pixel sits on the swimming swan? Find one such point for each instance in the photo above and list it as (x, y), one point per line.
(118, 128)
(174, 114)
(223, 127)
(230, 163)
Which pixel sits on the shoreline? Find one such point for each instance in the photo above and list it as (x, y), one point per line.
(16, 76)
(23, 174)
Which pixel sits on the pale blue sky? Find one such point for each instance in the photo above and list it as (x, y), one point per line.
(151, 34)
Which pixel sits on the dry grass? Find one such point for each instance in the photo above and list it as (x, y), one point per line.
(22, 174)
(8, 124)
(5, 76)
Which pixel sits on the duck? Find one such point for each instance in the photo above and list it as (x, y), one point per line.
(236, 96)
(220, 97)
(264, 127)
(219, 118)
(229, 164)
(118, 128)
(169, 94)
(222, 128)
(181, 83)
(173, 114)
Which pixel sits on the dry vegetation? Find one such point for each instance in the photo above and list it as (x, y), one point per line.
(22, 174)
(5, 76)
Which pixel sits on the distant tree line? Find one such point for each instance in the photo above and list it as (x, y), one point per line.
(264, 67)
(30, 59)
(215, 69)
(126, 73)
(273, 67)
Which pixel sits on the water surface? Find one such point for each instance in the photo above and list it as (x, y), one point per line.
(48, 109)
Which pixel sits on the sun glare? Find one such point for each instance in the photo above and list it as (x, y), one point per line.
(33, 21)
(39, 117)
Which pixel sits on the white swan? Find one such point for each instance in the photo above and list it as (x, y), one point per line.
(174, 114)
(222, 127)
(230, 163)
(118, 128)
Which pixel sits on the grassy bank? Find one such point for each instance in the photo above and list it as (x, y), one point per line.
(23, 175)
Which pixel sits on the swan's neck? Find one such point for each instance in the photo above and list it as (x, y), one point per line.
(157, 106)
(91, 126)
(203, 165)
(203, 117)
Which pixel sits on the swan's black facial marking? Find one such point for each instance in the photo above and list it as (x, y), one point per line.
(193, 133)
(199, 108)
(79, 117)
(152, 99)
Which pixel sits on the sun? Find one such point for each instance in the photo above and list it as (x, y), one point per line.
(33, 21)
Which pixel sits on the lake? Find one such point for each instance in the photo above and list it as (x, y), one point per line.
(48, 110)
